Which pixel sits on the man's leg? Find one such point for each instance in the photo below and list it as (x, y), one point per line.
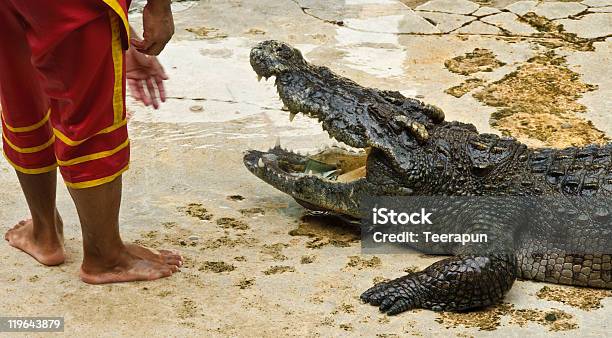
(28, 143)
(82, 64)
(92, 149)
(106, 258)
(42, 236)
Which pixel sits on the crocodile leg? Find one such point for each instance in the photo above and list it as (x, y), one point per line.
(478, 274)
(453, 284)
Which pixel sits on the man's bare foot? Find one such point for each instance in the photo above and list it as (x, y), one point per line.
(47, 248)
(135, 263)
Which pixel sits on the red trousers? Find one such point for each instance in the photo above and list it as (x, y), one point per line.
(62, 88)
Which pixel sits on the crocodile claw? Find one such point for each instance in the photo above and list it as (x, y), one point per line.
(392, 297)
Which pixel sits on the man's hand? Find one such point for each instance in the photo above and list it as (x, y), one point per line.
(158, 27)
(145, 77)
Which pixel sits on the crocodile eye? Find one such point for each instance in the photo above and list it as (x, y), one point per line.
(285, 52)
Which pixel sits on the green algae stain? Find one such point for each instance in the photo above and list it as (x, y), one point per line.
(479, 60)
(539, 101)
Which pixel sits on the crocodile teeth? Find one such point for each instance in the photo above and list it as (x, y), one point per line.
(292, 116)
(259, 77)
(260, 163)
(278, 143)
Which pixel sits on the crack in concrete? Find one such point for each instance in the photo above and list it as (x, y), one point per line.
(221, 101)
(506, 33)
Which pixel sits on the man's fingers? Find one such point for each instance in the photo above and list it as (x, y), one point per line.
(152, 93)
(145, 98)
(138, 44)
(155, 49)
(137, 90)
(160, 70)
(146, 46)
(159, 81)
(134, 90)
(163, 74)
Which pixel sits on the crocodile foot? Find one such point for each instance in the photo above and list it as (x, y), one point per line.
(453, 284)
(395, 296)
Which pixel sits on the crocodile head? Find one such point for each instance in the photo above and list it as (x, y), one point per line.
(386, 132)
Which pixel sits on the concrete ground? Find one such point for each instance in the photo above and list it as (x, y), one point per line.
(255, 265)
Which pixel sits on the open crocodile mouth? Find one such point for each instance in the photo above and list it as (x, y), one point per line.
(331, 165)
(334, 171)
(326, 180)
(334, 178)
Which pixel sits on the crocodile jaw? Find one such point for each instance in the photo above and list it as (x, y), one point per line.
(311, 189)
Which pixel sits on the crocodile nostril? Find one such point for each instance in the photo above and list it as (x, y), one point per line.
(284, 51)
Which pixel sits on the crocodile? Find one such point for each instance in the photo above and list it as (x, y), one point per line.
(401, 147)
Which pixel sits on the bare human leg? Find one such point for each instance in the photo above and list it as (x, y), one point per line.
(106, 258)
(42, 236)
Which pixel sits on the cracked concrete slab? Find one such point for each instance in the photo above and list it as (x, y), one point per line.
(446, 22)
(607, 9)
(408, 22)
(558, 10)
(484, 10)
(597, 3)
(589, 26)
(508, 21)
(189, 154)
(449, 6)
(479, 27)
(589, 66)
(522, 7)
